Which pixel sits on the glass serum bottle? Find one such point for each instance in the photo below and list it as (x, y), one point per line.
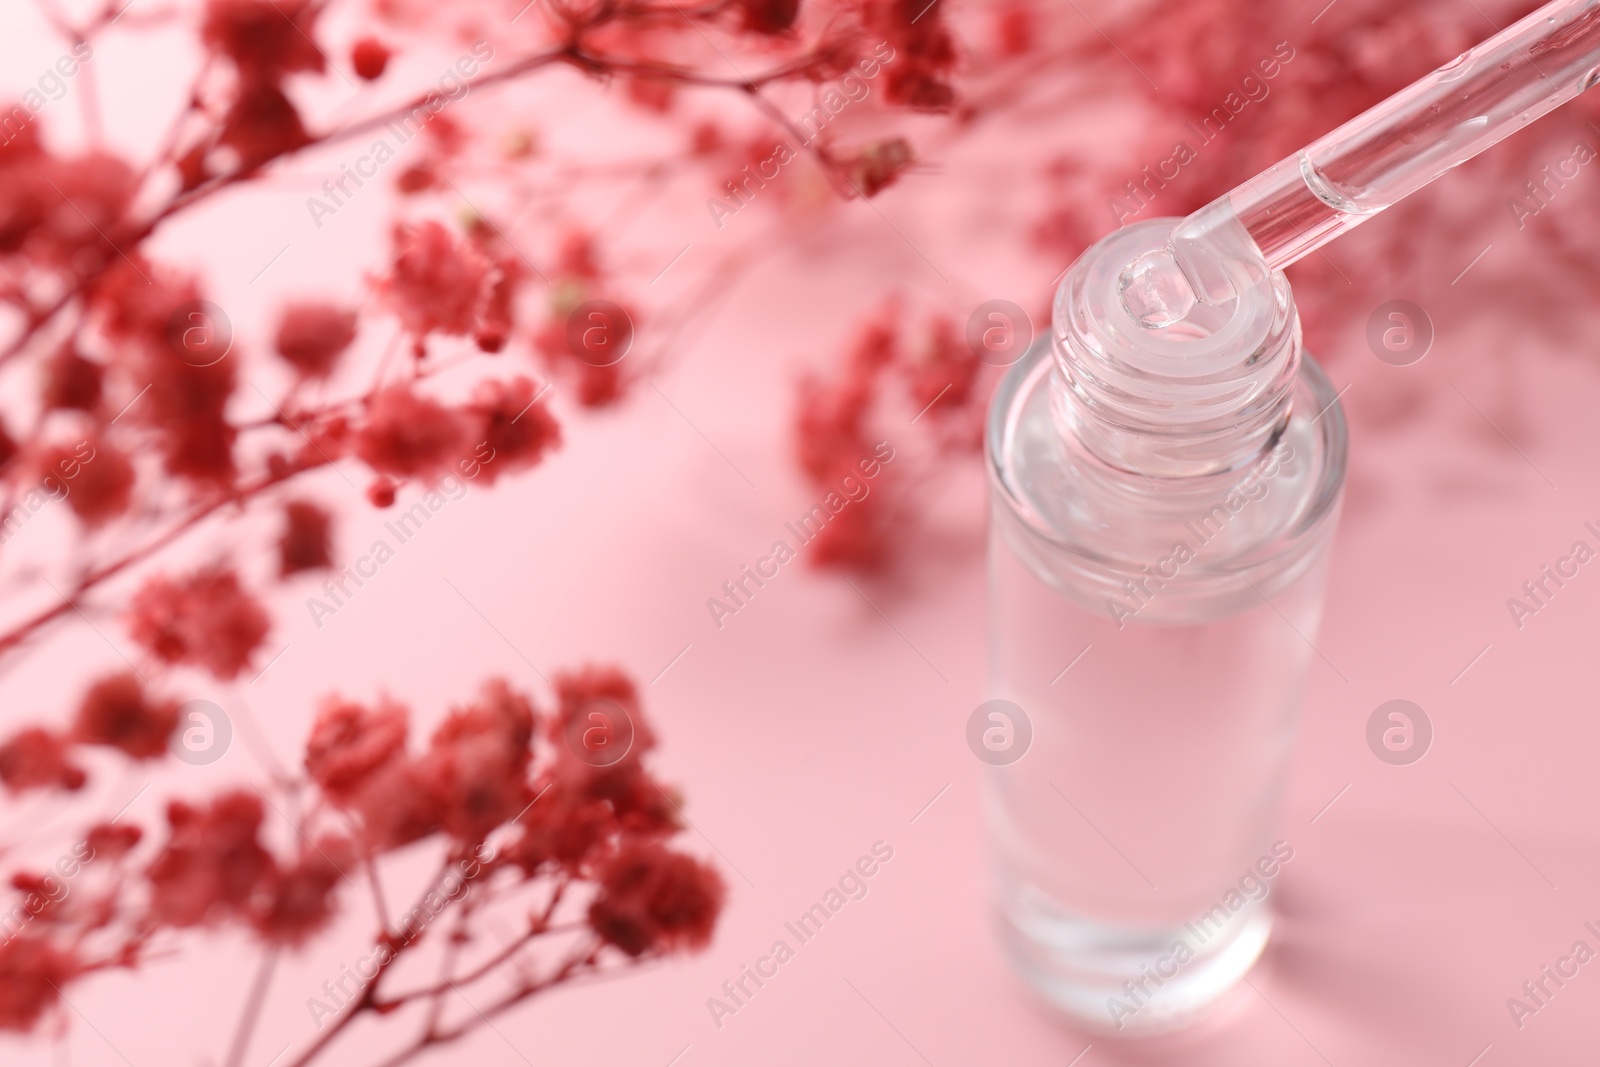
(1162, 506)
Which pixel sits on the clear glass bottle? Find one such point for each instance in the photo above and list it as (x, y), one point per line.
(1162, 504)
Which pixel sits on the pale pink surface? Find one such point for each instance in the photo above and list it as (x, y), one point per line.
(811, 726)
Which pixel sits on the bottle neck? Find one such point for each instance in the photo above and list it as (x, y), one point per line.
(1208, 395)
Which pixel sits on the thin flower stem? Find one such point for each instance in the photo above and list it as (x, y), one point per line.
(483, 969)
(397, 943)
(253, 1004)
(585, 958)
(447, 962)
(19, 633)
(167, 147)
(380, 907)
(571, 54)
(328, 1036)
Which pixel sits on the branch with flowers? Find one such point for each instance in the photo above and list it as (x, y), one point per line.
(139, 422)
(529, 807)
(129, 408)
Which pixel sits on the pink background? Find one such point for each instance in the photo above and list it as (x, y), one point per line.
(811, 726)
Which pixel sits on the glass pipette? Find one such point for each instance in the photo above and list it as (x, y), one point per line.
(1371, 162)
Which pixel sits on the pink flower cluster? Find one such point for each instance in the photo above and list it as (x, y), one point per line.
(496, 765)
